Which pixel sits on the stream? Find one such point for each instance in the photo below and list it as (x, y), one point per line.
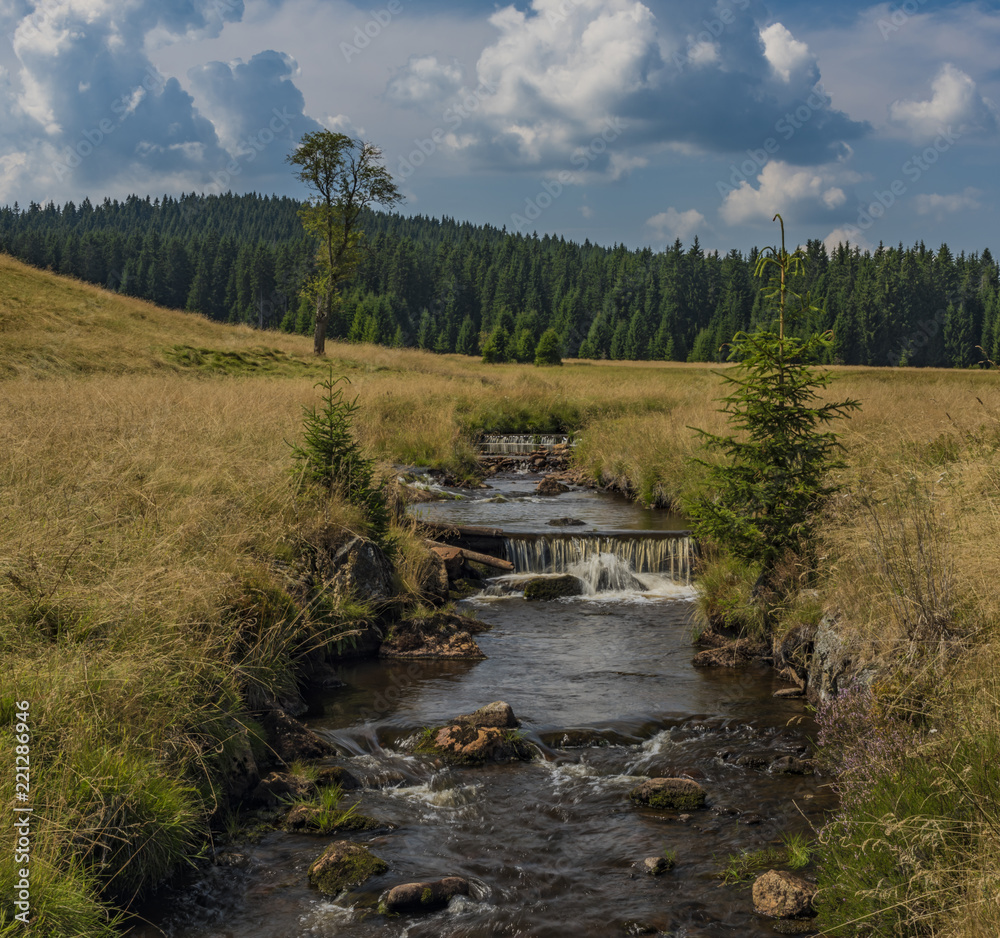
(606, 693)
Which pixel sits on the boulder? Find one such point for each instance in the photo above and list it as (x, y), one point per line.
(442, 635)
(424, 897)
(344, 864)
(780, 894)
(331, 775)
(682, 794)
(789, 693)
(554, 587)
(290, 740)
(279, 786)
(657, 865)
(565, 522)
(463, 744)
(360, 570)
(790, 765)
(496, 714)
(550, 486)
(452, 557)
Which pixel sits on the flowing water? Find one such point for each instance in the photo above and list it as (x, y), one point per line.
(606, 693)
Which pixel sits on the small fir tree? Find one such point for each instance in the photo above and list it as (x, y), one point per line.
(765, 493)
(330, 456)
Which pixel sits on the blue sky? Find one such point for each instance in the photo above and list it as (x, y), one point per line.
(613, 120)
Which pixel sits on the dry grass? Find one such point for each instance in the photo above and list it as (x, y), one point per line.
(144, 482)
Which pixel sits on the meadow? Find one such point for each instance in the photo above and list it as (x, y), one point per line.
(148, 509)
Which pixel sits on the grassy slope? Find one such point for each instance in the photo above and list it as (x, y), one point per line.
(144, 480)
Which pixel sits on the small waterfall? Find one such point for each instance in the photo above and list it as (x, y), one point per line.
(667, 553)
(518, 444)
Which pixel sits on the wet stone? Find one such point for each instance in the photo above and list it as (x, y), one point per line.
(780, 894)
(657, 865)
(679, 793)
(424, 897)
(344, 864)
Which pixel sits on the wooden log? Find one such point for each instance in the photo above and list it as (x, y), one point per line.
(475, 557)
(461, 530)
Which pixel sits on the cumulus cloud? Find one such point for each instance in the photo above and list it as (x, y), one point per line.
(787, 56)
(783, 188)
(955, 103)
(670, 74)
(846, 235)
(256, 109)
(424, 80)
(672, 224)
(939, 205)
(83, 108)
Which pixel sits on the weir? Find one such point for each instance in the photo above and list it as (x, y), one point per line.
(667, 553)
(518, 444)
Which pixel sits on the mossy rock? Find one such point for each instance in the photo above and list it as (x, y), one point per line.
(344, 864)
(680, 794)
(554, 587)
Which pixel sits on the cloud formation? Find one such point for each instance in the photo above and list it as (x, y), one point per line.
(783, 188)
(84, 108)
(559, 70)
(672, 224)
(955, 103)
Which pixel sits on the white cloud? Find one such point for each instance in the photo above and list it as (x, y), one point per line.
(424, 80)
(933, 204)
(672, 224)
(846, 235)
(781, 188)
(786, 54)
(955, 103)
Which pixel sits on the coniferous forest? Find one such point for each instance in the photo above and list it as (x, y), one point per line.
(450, 286)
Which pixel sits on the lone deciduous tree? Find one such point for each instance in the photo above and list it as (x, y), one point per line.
(345, 177)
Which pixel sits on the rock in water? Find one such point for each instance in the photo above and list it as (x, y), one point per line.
(291, 740)
(344, 864)
(441, 635)
(498, 714)
(680, 793)
(780, 894)
(554, 587)
(657, 865)
(550, 486)
(425, 897)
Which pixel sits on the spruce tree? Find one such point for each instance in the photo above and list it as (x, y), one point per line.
(764, 494)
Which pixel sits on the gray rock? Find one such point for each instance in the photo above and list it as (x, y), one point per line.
(360, 570)
(678, 793)
(554, 587)
(498, 714)
(424, 897)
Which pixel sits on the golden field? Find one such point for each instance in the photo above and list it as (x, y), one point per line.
(145, 481)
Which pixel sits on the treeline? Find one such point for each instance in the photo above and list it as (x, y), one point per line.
(455, 287)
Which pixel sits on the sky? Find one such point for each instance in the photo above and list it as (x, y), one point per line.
(617, 121)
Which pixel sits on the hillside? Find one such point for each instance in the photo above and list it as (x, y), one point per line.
(148, 514)
(448, 286)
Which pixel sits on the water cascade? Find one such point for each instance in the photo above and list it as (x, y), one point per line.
(518, 444)
(667, 553)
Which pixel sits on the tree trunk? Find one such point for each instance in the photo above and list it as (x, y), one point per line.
(319, 336)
